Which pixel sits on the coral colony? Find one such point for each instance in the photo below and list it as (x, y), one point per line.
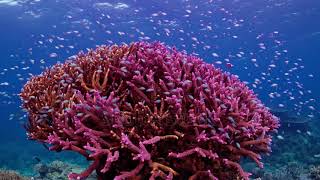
(148, 111)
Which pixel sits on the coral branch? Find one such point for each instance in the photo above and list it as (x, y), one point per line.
(156, 165)
(84, 174)
(129, 174)
(202, 152)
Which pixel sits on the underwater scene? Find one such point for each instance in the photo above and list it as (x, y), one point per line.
(159, 89)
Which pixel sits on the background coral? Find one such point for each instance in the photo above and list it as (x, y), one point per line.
(314, 172)
(56, 170)
(10, 175)
(292, 171)
(147, 110)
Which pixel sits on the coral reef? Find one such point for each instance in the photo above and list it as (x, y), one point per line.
(56, 170)
(295, 146)
(314, 172)
(148, 110)
(292, 171)
(291, 122)
(295, 156)
(10, 175)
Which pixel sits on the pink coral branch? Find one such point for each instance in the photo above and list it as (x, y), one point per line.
(202, 152)
(128, 174)
(85, 173)
(237, 166)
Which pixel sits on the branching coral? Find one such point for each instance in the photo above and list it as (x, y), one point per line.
(146, 110)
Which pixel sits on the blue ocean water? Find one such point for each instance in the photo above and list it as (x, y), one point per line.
(273, 45)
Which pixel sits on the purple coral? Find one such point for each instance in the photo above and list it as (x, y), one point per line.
(147, 110)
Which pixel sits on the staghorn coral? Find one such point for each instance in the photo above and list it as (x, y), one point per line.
(146, 110)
